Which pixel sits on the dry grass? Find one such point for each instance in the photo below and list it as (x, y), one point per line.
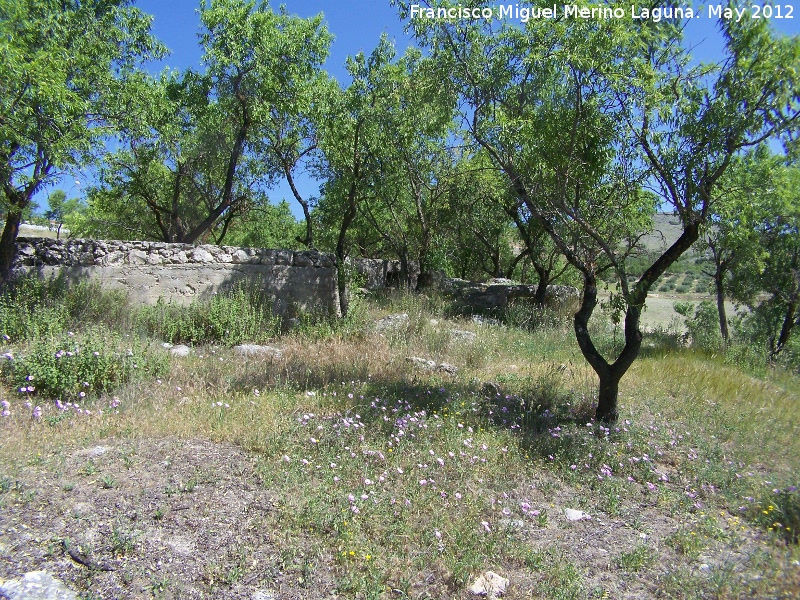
(340, 433)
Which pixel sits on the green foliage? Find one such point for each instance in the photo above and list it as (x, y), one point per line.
(201, 149)
(62, 210)
(71, 366)
(35, 307)
(266, 226)
(241, 314)
(778, 511)
(703, 325)
(65, 69)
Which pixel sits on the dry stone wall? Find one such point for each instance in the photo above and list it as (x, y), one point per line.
(180, 273)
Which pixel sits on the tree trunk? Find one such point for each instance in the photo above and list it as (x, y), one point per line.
(8, 245)
(540, 298)
(607, 411)
(341, 278)
(405, 271)
(608, 374)
(719, 284)
(789, 318)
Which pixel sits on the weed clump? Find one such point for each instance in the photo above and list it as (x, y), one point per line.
(241, 314)
(72, 366)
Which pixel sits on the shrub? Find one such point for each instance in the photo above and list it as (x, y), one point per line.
(71, 366)
(33, 307)
(778, 511)
(529, 316)
(241, 314)
(703, 326)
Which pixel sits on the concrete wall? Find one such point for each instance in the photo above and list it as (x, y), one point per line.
(180, 273)
(379, 274)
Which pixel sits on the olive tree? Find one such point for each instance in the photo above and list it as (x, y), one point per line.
(63, 86)
(583, 116)
(203, 147)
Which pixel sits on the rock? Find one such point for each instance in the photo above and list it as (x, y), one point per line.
(36, 585)
(490, 388)
(423, 363)
(489, 584)
(481, 320)
(391, 322)
(263, 595)
(181, 351)
(256, 350)
(447, 368)
(461, 335)
(201, 255)
(575, 515)
(137, 257)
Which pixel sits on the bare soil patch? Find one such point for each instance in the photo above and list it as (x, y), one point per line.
(168, 518)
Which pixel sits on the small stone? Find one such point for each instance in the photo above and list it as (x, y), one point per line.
(489, 584)
(704, 568)
(575, 515)
(36, 585)
(391, 322)
(256, 350)
(181, 351)
(447, 368)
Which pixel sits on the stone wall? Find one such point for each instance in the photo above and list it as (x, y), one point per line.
(379, 274)
(495, 295)
(180, 273)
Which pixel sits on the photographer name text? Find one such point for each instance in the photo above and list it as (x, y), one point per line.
(524, 14)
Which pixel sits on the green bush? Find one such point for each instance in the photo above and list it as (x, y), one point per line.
(33, 307)
(74, 365)
(778, 511)
(27, 309)
(703, 326)
(241, 314)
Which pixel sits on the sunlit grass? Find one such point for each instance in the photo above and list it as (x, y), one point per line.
(409, 482)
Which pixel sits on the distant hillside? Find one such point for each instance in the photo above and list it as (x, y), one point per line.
(667, 229)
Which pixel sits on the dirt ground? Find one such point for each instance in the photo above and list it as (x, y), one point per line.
(191, 519)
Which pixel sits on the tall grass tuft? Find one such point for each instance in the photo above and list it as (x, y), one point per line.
(71, 366)
(241, 314)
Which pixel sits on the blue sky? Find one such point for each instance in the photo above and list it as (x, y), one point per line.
(356, 25)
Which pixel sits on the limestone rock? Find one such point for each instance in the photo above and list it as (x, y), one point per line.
(391, 322)
(422, 363)
(447, 368)
(36, 585)
(461, 335)
(430, 365)
(489, 584)
(481, 320)
(181, 351)
(256, 350)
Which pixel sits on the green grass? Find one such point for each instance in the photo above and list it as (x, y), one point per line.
(407, 483)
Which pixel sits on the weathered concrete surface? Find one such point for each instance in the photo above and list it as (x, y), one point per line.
(379, 274)
(181, 273)
(496, 295)
(36, 585)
